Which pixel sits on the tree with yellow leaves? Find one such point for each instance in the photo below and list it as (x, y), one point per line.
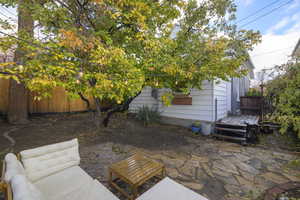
(112, 49)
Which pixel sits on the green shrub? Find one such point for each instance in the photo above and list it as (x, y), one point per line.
(253, 92)
(148, 115)
(197, 124)
(284, 91)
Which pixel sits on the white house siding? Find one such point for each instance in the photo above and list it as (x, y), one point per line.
(228, 90)
(242, 87)
(222, 97)
(201, 108)
(144, 98)
(247, 83)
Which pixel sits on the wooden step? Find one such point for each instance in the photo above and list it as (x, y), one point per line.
(231, 126)
(234, 134)
(229, 137)
(231, 130)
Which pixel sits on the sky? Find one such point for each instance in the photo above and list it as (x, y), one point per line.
(280, 29)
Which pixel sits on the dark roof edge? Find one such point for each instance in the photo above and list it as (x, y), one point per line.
(251, 67)
(296, 47)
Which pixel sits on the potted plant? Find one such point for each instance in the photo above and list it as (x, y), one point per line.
(196, 127)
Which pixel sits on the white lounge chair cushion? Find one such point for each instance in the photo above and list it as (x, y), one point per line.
(100, 192)
(13, 167)
(64, 182)
(94, 191)
(167, 189)
(46, 160)
(73, 184)
(24, 190)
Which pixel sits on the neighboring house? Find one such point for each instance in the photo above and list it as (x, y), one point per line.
(215, 101)
(6, 57)
(239, 87)
(296, 51)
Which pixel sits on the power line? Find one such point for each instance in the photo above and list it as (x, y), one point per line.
(8, 11)
(7, 17)
(1, 13)
(49, 49)
(258, 11)
(28, 42)
(261, 16)
(269, 52)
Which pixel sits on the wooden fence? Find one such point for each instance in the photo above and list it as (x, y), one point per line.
(251, 105)
(58, 103)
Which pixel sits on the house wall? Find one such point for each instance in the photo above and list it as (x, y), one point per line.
(229, 96)
(144, 99)
(244, 85)
(201, 108)
(247, 83)
(213, 102)
(240, 86)
(235, 95)
(222, 98)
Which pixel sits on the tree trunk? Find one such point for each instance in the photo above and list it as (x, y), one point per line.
(86, 100)
(18, 95)
(98, 114)
(118, 108)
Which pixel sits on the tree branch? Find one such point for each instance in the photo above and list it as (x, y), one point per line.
(88, 105)
(6, 73)
(9, 74)
(64, 5)
(119, 108)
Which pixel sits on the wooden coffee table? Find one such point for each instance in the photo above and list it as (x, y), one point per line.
(134, 171)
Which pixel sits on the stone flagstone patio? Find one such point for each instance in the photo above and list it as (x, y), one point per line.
(219, 170)
(215, 169)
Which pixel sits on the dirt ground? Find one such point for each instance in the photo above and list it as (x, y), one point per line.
(224, 170)
(56, 128)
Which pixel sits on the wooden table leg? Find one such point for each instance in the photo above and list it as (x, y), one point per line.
(7, 192)
(164, 172)
(1, 186)
(115, 186)
(134, 192)
(110, 177)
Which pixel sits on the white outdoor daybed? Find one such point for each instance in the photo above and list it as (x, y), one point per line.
(171, 190)
(52, 172)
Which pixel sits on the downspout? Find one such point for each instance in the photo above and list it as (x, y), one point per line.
(232, 98)
(212, 128)
(216, 109)
(212, 101)
(214, 104)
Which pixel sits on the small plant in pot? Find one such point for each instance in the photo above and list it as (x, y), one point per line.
(196, 127)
